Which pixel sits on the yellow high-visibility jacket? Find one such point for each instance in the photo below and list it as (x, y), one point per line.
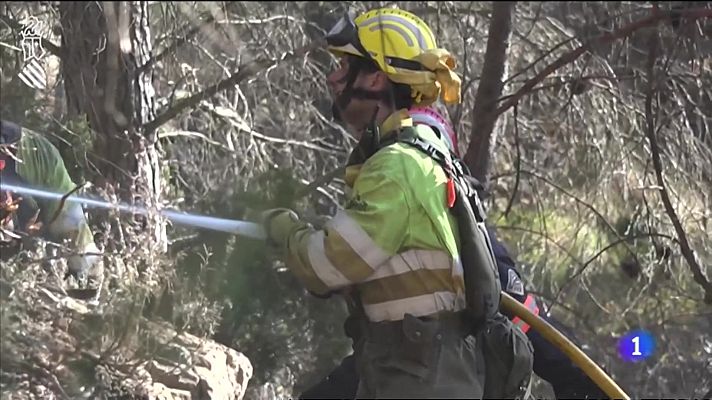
(395, 239)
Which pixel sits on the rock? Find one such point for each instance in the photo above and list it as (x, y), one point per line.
(173, 377)
(197, 368)
(159, 391)
(50, 338)
(223, 371)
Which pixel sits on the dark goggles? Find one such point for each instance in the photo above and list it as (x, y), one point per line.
(344, 33)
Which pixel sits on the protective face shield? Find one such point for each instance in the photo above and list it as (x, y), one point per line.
(343, 40)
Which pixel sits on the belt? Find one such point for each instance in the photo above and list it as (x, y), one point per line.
(444, 325)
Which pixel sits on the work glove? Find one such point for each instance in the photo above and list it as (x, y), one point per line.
(278, 224)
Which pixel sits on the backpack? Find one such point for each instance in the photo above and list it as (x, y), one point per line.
(508, 353)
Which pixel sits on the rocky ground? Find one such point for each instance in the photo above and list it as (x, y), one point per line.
(47, 354)
(60, 343)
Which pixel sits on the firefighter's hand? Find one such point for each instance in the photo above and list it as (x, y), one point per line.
(278, 224)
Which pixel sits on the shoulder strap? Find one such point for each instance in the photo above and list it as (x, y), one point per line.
(455, 169)
(482, 285)
(409, 136)
(451, 163)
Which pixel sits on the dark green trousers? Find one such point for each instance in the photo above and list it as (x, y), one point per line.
(420, 358)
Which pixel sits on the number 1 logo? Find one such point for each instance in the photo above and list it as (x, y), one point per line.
(636, 348)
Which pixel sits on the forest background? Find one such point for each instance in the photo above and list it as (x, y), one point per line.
(596, 117)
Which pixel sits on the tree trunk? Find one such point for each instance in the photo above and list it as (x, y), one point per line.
(484, 117)
(104, 44)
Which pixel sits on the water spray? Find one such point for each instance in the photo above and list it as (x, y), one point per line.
(237, 227)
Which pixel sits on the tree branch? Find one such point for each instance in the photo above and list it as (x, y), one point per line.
(321, 181)
(241, 74)
(687, 252)
(61, 204)
(578, 200)
(571, 56)
(517, 165)
(176, 44)
(605, 249)
(484, 115)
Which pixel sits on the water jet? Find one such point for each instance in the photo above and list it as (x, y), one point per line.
(237, 227)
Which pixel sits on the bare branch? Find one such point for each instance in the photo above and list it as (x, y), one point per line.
(242, 73)
(176, 44)
(61, 204)
(319, 182)
(518, 165)
(687, 252)
(589, 206)
(571, 56)
(608, 247)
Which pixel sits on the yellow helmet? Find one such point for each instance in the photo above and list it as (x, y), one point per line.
(404, 47)
(390, 37)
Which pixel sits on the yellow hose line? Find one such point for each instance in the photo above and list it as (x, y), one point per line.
(512, 306)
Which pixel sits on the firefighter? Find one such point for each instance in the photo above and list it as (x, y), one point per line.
(393, 249)
(28, 159)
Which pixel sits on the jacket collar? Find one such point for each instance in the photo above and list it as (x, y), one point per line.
(394, 122)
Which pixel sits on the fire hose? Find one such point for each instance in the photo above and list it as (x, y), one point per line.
(588, 366)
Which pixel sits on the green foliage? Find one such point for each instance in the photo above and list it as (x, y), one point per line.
(550, 240)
